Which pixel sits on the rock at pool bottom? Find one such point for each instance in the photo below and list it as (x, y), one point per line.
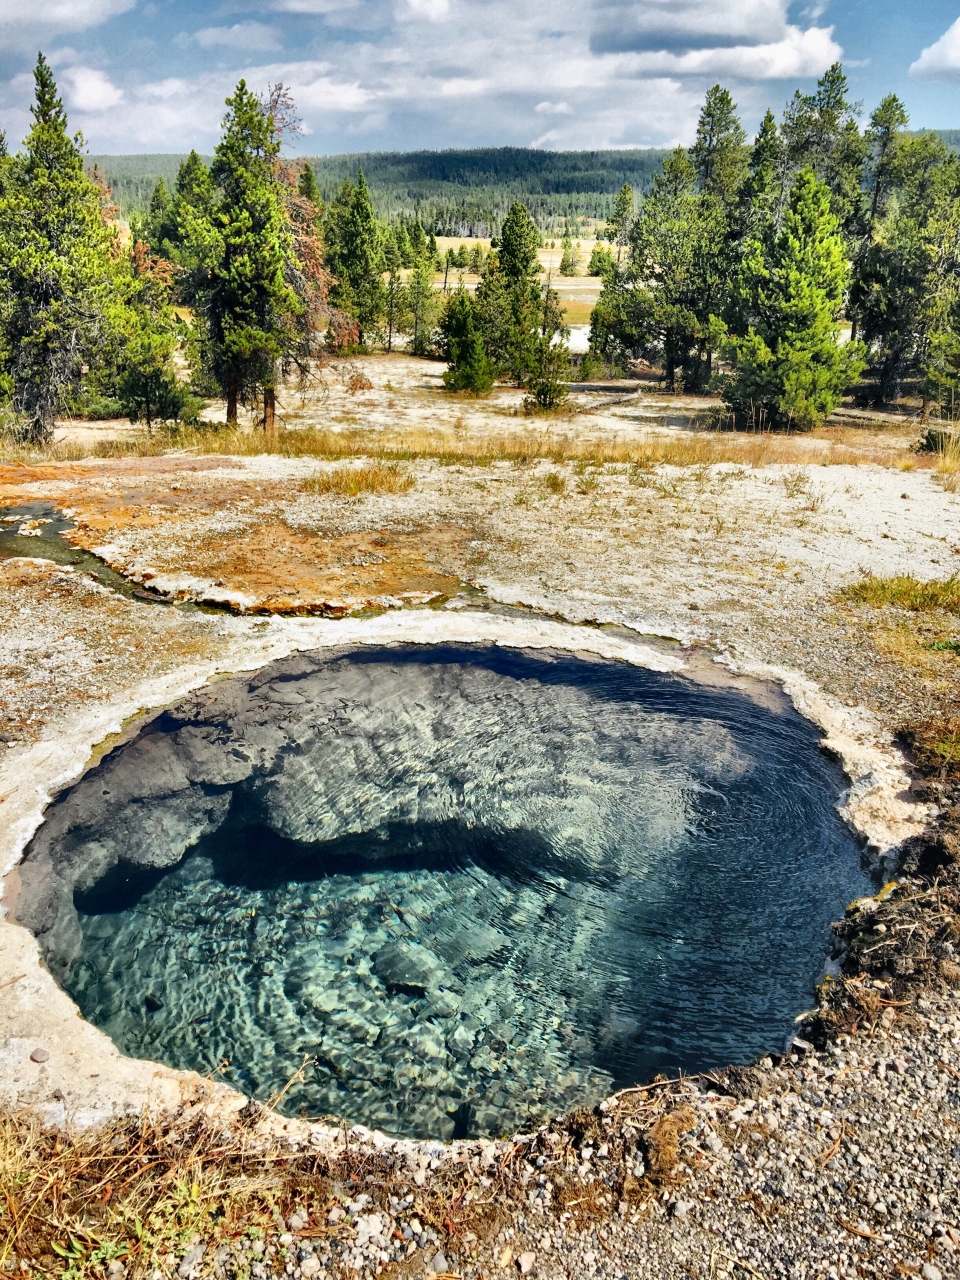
(462, 887)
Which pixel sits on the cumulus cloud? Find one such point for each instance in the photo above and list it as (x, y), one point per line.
(90, 90)
(179, 112)
(798, 54)
(29, 16)
(571, 73)
(435, 10)
(686, 24)
(940, 61)
(246, 36)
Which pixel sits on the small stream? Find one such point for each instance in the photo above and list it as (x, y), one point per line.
(38, 529)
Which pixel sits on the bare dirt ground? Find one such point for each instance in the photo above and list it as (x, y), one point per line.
(836, 1161)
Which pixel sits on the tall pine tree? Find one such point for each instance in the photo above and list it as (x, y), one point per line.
(248, 309)
(791, 370)
(58, 284)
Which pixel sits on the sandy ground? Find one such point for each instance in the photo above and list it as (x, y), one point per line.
(736, 568)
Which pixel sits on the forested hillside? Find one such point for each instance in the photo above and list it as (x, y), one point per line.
(456, 192)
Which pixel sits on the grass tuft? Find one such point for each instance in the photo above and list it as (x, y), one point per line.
(350, 482)
(906, 592)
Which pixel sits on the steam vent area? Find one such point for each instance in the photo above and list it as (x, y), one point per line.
(472, 888)
(526, 854)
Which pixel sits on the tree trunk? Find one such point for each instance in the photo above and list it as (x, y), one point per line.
(232, 403)
(269, 410)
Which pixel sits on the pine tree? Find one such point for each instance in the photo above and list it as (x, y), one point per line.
(248, 308)
(719, 155)
(666, 303)
(418, 241)
(404, 246)
(570, 259)
(423, 304)
(159, 223)
(308, 187)
(821, 133)
(621, 220)
(791, 370)
(58, 286)
(146, 382)
(602, 262)
(470, 367)
(396, 301)
(903, 291)
(355, 256)
(518, 244)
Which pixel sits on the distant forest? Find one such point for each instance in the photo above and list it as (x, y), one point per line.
(457, 193)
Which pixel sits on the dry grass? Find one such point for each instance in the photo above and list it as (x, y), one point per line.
(907, 592)
(935, 745)
(350, 482)
(947, 467)
(457, 447)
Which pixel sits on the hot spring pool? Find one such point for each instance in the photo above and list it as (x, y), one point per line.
(460, 887)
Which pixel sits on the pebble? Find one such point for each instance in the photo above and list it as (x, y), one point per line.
(525, 1262)
(40, 1055)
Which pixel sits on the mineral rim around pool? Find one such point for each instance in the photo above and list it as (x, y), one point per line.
(459, 887)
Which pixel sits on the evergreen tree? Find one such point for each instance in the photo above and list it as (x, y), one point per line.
(167, 228)
(418, 242)
(905, 273)
(666, 303)
(518, 244)
(791, 370)
(307, 187)
(602, 262)
(423, 305)
(396, 301)
(355, 257)
(404, 246)
(159, 225)
(58, 286)
(820, 132)
(621, 220)
(146, 382)
(719, 155)
(764, 192)
(570, 259)
(470, 367)
(249, 311)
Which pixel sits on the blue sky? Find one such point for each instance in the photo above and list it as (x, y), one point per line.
(151, 75)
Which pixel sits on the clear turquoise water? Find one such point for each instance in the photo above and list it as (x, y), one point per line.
(635, 874)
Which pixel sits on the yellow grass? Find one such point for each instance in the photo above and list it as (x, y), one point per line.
(449, 447)
(352, 481)
(906, 592)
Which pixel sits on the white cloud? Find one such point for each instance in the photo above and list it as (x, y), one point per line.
(28, 16)
(246, 36)
(517, 69)
(90, 90)
(686, 24)
(179, 112)
(798, 54)
(940, 61)
(435, 10)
